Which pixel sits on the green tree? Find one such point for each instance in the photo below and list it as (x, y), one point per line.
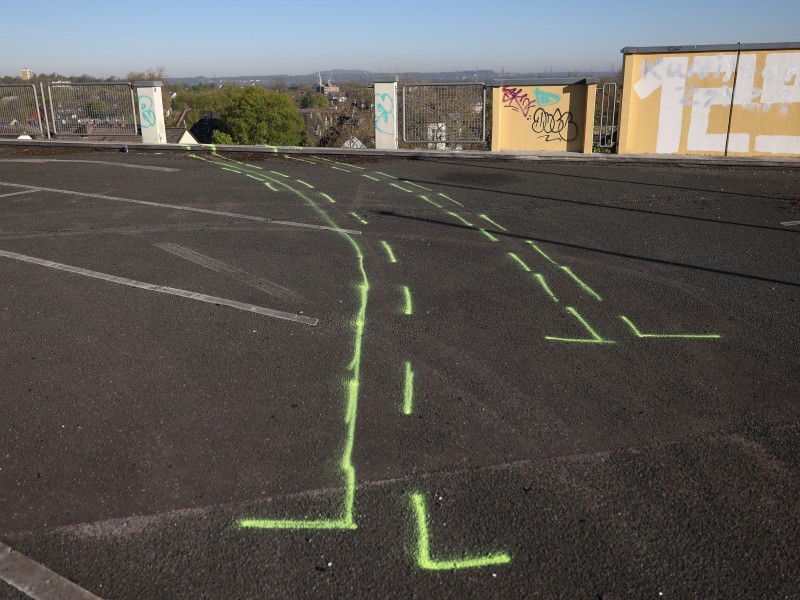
(314, 101)
(97, 109)
(255, 115)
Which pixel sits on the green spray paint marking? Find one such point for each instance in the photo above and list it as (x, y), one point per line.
(280, 174)
(423, 557)
(388, 248)
(409, 308)
(595, 339)
(408, 390)
(495, 223)
(346, 519)
(336, 162)
(416, 185)
(370, 177)
(271, 187)
(584, 287)
(386, 175)
(328, 198)
(540, 278)
(460, 218)
(488, 235)
(341, 169)
(542, 252)
(311, 162)
(308, 185)
(685, 336)
(520, 262)
(446, 197)
(231, 170)
(429, 201)
(400, 187)
(359, 219)
(253, 177)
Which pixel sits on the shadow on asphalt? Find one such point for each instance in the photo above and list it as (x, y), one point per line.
(660, 261)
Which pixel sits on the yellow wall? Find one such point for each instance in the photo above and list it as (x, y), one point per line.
(543, 117)
(680, 103)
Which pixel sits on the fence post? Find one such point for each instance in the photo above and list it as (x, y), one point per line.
(386, 113)
(151, 112)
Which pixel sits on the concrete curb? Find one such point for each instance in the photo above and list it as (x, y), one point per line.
(664, 159)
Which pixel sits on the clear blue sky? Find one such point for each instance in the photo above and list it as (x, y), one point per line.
(265, 37)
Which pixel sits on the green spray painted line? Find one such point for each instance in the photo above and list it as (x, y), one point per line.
(429, 201)
(232, 170)
(340, 169)
(388, 248)
(408, 390)
(520, 262)
(280, 174)
(386, 175)
(311, 162)
(416, 185)
(327, 197)
(400, 187)
(239, 164)
(359, 219)
(540, 278)
(336, 162)
(542, 252)
(488, 235)
(270, 186)
(595, 339)
(495, 223)
(346, 519)
(308, 185)
(253, 177)
(684, 336)
(424, 559)
(409, 307)
(460, 218)
(584, 287)
(446, 197)
(370, 177)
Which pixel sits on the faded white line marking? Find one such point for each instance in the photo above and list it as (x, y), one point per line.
(269, 312)
(178, 207)
(790, 223)
(236, 273)
(91, 162)
(36, 580)
(18, 193)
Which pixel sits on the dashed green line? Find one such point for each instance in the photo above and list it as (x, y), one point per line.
(281, 174)
(400, 187)
(495, 223)
(488, 235)
(408, 309)
(231, 170)
(408, 390)
(327, 197)
(370, 177)
(520, 262)
(311, 162)
(416, 185)
(595, 339)
(446, 197)
(253, 177)
(386, 175)
(308, 185)
(460, 218)
(270, 186)
(359, 219)
(423, 554)
(389, 252)
(685, 336)
(429, 201)
(583, 286)
(542, 252)
(341, 169)
(540, 278)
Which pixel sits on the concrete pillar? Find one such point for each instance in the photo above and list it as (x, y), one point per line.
(386, 114)
(151, 112)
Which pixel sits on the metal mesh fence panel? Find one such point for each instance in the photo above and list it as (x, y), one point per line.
(607, 107)
(92, 108)
(438, 114)
(19, 110)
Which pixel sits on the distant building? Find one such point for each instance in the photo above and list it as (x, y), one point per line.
(26, 74)
(328, 88)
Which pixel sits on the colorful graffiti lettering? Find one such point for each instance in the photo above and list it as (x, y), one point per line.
(546, 98)
(556, 126)
(384, 113)
(515, 99)
(148, 114)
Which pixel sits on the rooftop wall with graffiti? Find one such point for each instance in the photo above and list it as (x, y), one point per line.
(716, 100)
(543, 115)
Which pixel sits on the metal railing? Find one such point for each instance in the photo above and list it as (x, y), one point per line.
(92, 108)
(608, 109)
(20, 112)
(441, 114)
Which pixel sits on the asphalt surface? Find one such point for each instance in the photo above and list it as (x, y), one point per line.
(601, 365)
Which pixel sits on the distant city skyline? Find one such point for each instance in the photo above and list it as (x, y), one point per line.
(242, 38)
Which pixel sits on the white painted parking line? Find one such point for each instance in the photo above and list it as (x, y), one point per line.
(790, 223)
(152, 287)
(37, 581)
(236, 273)
(178, 207)
(91, 162)
(18, 193)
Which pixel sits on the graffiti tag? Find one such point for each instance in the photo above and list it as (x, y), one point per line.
(515, 99)
(546, 98)
(384, 112)
(148, 114)
(555, 126)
